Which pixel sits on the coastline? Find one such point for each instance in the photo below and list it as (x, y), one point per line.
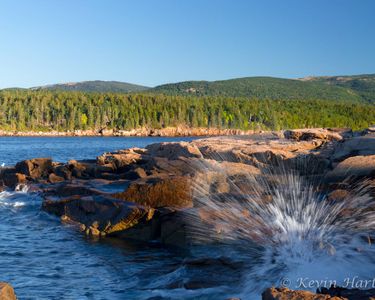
(141, 132)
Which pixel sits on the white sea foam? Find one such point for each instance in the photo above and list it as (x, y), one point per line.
(12, 198)
(287, 229)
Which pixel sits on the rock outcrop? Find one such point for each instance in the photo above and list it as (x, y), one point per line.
(333, 293)
(7, 292)
(141, 193)
(287, 294)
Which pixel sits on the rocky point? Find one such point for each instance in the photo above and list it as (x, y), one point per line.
(143, 194)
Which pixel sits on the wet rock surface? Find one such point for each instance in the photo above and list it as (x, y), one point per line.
(154, 184)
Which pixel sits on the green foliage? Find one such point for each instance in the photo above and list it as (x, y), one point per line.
(47, 110)
(363, 85)
(264, 88)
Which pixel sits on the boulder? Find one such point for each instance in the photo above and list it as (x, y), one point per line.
(99, 214)
(353, 167)
(62, 171)
(11, 178)
(159, 191)
(53, 178)
(313, 133)
(173, 151)
(88, 169)
(356, 146)
(136, 173)
(36, 168)
(121, 159)
(181, 167)
(7, 292)
(257, 152)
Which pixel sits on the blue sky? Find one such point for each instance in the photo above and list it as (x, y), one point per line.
(158, 41)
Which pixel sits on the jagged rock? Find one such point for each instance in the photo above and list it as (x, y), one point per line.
(135, 174)
(11, 178)
(121, 159)
(98, 213)
(173, 191)
(88, 169)
(351, 294)
(355, 167)
(62, 171)
(175, 150)
(313, 133)
(7, 292)
(106, 216)
(287, 294)
(35, 168)
(356, 146)
(157, 182)
(53, 178)
(257, 152)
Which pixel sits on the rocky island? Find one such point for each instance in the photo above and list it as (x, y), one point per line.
(145, 194)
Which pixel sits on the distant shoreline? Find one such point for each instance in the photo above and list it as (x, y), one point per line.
(140, 132)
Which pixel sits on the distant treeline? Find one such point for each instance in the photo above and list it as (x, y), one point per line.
(62, 111)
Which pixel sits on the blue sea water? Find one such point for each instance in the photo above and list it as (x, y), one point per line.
(14, 149)
(44, 259)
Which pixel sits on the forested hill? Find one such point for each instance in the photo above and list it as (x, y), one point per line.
(95, 86)
(358, 88)
(271, 88)
(363, 85)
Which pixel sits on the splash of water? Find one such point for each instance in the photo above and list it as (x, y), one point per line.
(283, 226)
(11, 198)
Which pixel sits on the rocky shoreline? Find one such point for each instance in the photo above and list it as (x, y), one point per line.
(142, 194)
(147, 132)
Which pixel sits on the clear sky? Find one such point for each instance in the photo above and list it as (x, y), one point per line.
(158, 41)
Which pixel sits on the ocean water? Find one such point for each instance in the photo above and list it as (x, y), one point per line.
(14, 149)
(44, 259)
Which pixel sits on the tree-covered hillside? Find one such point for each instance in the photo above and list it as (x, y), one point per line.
(263, 88)
(95, 86)
(363, 85)
(46, 110)
(359, 88)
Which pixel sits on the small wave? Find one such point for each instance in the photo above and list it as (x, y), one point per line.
(22, 188)
(6, 199)
(17, 198)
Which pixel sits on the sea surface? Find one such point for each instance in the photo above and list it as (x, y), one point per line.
(44, 259)
(62, 149)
